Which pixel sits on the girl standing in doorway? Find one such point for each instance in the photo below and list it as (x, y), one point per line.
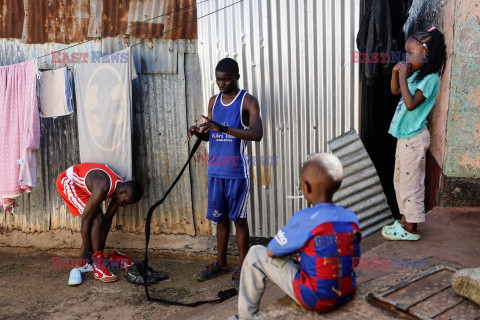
(418, 81)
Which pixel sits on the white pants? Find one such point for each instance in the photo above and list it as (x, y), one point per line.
(256, 267)
(409, 176)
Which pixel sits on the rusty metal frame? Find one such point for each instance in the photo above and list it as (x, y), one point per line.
(404, 311)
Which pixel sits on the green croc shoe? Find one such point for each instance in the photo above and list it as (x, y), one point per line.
(397, 232)
(391, 226)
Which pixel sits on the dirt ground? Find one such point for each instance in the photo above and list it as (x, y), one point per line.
(32, 289)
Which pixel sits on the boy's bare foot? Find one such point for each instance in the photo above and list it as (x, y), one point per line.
(403, 221)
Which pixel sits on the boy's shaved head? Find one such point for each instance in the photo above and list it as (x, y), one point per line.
(323, 172)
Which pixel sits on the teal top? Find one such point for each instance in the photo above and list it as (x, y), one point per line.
(406, 124)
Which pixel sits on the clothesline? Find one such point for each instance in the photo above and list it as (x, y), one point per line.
(143, 41)
(170, 30)
(140, 23)
(206, 15)
(146, 40)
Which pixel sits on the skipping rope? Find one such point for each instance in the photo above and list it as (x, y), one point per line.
(222, 295)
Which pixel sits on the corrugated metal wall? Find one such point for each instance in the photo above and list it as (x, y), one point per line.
(166, 96)
(166, 99)
(43, 21)
(294, 56)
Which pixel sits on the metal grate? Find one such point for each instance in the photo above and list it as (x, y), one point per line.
(428, 296)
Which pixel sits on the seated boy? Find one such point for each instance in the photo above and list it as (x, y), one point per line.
(326, 237)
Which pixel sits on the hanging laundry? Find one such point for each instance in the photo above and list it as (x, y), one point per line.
(19, 131)
(55, 93)
(104, 97)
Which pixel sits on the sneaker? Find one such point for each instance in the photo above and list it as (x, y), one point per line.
(135, 275)
(120, 259)
(99, 271)
(75, 277)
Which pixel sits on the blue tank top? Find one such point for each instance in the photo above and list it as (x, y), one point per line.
(228, 157)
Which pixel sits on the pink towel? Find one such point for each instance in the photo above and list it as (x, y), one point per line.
(19, 131)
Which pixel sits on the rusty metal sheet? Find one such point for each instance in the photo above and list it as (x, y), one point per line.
(427, 296)
(67, 22)
(56, 21)
(12, 15)
(189, 28)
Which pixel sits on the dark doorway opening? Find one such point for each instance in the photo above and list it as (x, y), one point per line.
(378, 103)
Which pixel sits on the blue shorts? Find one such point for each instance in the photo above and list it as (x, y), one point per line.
(227, 198)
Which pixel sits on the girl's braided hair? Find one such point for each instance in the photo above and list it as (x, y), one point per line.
(437, 52)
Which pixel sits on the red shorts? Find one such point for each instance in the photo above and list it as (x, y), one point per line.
(75, 198)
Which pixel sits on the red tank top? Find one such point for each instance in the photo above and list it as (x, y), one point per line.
(79, 172)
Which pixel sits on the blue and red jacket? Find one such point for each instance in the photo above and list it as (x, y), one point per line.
(327, 238)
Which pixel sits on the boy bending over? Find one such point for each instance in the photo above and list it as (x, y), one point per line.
(327, 238)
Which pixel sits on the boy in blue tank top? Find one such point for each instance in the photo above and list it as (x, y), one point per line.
(233, 120)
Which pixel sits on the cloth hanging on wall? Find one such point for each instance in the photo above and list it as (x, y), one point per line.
(375, 35)
(104, 98)
(55, 93)
(378, 102)
(19, 130)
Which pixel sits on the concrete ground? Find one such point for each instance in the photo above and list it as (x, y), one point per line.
(31, 289)
(450, 236)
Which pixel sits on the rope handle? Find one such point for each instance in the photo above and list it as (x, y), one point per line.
(222, 295)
